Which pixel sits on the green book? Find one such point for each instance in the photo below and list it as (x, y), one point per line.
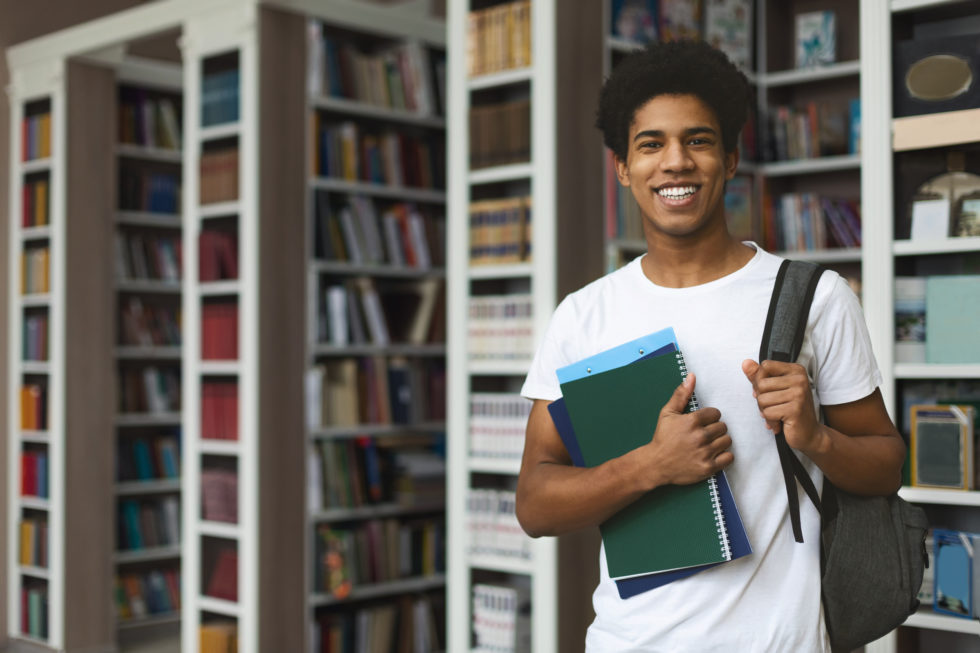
(672, 527)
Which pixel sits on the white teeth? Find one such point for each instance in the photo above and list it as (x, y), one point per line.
(677, 192)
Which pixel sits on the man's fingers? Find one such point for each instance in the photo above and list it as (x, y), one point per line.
(682, 395)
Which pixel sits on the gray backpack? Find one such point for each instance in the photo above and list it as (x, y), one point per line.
(872, 551)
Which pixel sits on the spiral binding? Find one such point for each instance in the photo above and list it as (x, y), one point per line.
(720, 526)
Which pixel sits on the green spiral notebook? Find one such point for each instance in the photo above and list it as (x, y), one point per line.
(672, 527)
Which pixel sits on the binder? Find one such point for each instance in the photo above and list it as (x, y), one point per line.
(621, 390)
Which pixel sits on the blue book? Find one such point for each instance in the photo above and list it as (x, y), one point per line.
(953, 593)
(952, 316)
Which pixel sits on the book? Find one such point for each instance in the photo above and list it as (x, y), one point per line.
(634, 20)
(942, 446)
(627, 398)
(910, 319)
(816, 38)
(728, 27)
(953, 310)
(954, 555)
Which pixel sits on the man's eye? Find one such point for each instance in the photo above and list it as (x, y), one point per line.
(649, 145)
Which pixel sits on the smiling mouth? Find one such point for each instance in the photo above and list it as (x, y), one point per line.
(676, 192)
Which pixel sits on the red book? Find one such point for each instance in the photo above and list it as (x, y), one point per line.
(223, 583)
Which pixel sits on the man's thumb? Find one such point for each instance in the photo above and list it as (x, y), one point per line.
(682, 395)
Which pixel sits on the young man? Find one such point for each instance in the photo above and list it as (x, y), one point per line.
(671, 114)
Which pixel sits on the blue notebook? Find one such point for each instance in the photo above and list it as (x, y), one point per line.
(655, 344)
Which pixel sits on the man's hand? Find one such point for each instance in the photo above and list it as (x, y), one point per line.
(688, 447)
(782, 391)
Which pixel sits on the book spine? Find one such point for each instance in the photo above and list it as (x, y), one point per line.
(723, 540)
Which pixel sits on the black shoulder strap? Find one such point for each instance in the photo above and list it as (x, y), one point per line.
(782, 340)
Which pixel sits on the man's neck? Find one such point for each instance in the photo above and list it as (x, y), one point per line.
(684, 263)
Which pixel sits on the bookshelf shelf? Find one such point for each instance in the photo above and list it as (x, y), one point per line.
(147, 286)
(35, 503)
(219, 606)
(403, 193)
(378, 350)
(808, 75)
(381, 270)
(136, 488)
(937, 371)
(380, 590)
(942, 246)
(219, 210)
(148, 419)
(148, 219)
(36, 367)
(502, 78)
(501, 271)
(35, 299)
(35, 572)
(154, 554)
(220, 529)
(35, 233)
(219, 132)
(811, 166)
(35, 165)
(898, 6)
(499, 368)
(850, 254)
(932, 620)
(220, 368)
(219, 288)
(148, 352)
(220, 447)
(373, 512)
(150, 620)
(940, 497)
(39, 437)
(498, 174)
(340, 432)
(149, 153)
(936, 130)
(502, 564)
(365, 110)
(495, 465)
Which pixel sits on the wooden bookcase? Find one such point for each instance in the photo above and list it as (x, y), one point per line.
(891, 146)
(554, 80)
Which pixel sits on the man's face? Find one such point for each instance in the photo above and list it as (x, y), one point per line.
(676, 165)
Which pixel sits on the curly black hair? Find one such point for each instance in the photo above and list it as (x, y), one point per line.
(682, 67)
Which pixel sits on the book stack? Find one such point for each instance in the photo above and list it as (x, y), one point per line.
(149, 390)
(500, 327)
(218, 176)
(34, 339)
(148, 458)
(936, 318)
(217, 253)
(219, 97)
(218, 637)
(223, 581)
(147, 593)
(814, 130)
(500, 133)
(148, 324)
(219, 330)
(147, 256)
(501, 617)
(34, 610)
(493, 526)
(499, 38)
(34, 270)
(219, 410)
(149, 189)
(149, 120)
(34, 473)
(497, 424)
(417, 626)
(148, 523)
(956, 573)
(34, 407)
(500, 231)
(35, 203)
(36, 136)
(34, 542)
(809, 222)
(418, 476)
(349, 473)
(219, 495)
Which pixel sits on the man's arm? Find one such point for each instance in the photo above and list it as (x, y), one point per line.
(859, 449)
(554, 498)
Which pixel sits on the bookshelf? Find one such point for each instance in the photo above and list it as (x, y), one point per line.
(523, 231)
(375, 326)
(60, 335)
(147, 350)
(894, 148)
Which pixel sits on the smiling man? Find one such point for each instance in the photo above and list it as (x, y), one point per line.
(671, 114)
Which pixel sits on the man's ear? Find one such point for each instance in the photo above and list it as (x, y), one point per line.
(731, 163)
(622, 171)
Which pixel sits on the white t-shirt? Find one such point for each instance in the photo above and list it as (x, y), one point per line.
(770, 600)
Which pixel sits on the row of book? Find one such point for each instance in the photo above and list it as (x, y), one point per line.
(502, 617)
(219, 494)
(404, 76)
(35, 266)
(149, 190)
(410, 624)
(497, 424)
(36, 137)
(219, 330)
(808, 222)
(148, 458)
(149, 389)
(491, 520)
(34, 407)
(376, 551)
(35, 203)
(500, 327)
(400, 234)
(34, 542)
(359, 311)
(500, 133)
(220, 97)
(500, 231)
(219, 410)
(217, 255)
(375, 390)
(218, 637)
(34, 337)
(147, 593)
(936, 319)
(354, 472)
(149, 120)
(34, 473)
(148, 523)
(34, 611)
(146, 324)
(354, 152)
(154, 256)
(498, 38)
(218, 176)
(815, 129)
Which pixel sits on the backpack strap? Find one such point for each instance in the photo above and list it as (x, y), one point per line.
(782, 340)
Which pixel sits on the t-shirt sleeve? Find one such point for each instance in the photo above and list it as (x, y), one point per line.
(846, 366)
(554, 351)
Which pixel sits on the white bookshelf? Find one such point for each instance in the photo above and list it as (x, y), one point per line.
(882, 137)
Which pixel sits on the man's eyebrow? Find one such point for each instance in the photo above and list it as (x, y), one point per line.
(690, 131)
